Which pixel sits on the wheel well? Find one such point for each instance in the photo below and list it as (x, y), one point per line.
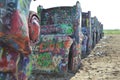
(70, 57)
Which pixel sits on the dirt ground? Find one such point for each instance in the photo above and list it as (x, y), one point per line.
(102, 64)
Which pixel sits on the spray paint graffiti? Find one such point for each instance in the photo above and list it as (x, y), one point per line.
(61, 63)
(58, 29)
(57, 60)
(52, 52)
(44, 60)
(2, 13)
(53, 43)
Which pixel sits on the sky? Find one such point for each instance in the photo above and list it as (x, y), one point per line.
(107, 11)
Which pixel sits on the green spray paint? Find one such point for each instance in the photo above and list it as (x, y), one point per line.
(44, 59)
(68, 28)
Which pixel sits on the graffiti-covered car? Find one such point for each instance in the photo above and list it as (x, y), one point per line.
(101, 31)
(59, 49)
(15, 39)
(86, 30)
(97, 30)
(94, 29)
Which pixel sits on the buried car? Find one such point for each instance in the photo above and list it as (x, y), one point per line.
(59, 49)
(86, 30)
(16, 34)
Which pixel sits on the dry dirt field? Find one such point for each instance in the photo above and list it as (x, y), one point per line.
(102, 64)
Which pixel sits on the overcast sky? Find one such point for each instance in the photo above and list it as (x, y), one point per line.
(107, 11)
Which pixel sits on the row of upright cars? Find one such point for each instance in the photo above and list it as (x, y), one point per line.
(92, 30)
(67, 36)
